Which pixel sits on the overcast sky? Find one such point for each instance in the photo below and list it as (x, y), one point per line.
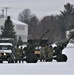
(38, 7)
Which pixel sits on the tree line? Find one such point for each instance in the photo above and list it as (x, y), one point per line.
(57, 24)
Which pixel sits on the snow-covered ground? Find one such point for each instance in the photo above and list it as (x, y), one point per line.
(42, 68)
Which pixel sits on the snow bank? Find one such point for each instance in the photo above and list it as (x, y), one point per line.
(70, 45)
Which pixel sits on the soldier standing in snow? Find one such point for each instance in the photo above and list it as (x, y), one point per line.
(17, 54)
(49, 50)
(22, 55)
(43, 53)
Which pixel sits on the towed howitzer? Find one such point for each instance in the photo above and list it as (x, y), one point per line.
(30, 56)
(58, 51)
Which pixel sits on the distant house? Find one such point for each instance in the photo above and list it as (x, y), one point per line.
(21, 28)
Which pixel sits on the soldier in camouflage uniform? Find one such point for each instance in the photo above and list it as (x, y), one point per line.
(17, 54)
(22, 54)
(42, 53)
(49, 52)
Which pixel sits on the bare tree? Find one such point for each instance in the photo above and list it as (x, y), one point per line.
(25, 15)
(33, 24)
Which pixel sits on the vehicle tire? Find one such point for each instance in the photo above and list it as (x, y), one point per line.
(61, 58)
(12, 61)
(31, 58)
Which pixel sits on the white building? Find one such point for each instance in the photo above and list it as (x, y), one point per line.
(20, 28)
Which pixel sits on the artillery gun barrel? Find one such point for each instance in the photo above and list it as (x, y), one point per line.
(44, 34)
(65, 43)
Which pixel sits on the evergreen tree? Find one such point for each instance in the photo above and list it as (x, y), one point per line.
(8, 29)
(68, 15)
(20, 42)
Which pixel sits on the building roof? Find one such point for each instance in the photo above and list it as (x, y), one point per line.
(14, 21)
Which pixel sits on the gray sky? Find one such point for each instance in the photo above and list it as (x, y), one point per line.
(38, 7)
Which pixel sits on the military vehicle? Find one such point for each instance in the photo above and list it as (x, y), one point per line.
(7, 46)
(32, 51)
(58, 56)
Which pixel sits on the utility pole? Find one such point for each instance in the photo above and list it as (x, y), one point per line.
(6, 8)
(3, 12)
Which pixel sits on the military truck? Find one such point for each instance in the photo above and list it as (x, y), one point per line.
(7, 49)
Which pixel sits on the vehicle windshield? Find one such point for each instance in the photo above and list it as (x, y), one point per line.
(5, 47)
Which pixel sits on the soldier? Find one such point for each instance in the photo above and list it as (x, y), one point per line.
(58, 49)
(22, 54)
(24, 51)
(42, 53)
(17, 54)
(49, 50)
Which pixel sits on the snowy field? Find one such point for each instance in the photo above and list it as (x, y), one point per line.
(42, 68)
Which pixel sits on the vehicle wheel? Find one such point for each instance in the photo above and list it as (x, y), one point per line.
(31, 58)
(12, 61)
(61, 58)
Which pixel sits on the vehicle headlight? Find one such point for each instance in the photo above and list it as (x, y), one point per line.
(4, 53)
